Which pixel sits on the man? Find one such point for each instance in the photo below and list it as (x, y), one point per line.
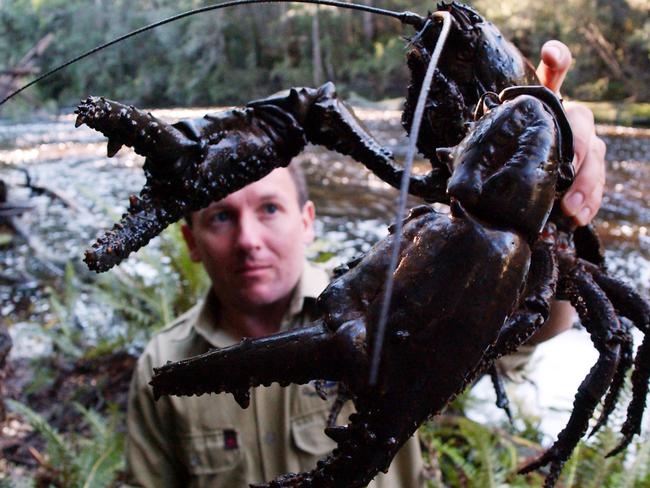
(251, 244)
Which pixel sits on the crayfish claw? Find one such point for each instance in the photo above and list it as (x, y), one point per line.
(242, 397)
(556, 457)
(338, 434)
(622, 445)
(554, 474)
(538, 462)
(113, 147)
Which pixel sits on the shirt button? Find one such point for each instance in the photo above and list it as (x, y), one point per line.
(270, 438)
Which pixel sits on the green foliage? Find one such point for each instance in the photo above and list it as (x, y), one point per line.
(62, 331)
(79, 461)
(621, 113)
(469, 454)
(147, 303)
(462, 453)
(590, 468)
(238, 54)
(136, 302)
(609, 41)
(638, 474)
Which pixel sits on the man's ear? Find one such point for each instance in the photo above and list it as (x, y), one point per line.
(308, 218)
(188, 235)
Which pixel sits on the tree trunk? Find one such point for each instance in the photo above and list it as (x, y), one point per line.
(607, 53)
(317, 58)
(368, 25)
(9, 80)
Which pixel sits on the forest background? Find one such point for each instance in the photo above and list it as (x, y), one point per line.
(235, 55)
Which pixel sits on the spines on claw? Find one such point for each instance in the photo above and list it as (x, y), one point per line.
(136, 228)
(149, 214)
(129, 126)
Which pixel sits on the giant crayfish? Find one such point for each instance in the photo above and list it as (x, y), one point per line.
(471, 285)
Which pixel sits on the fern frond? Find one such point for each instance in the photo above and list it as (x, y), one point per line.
(58, 451)
(640, 466)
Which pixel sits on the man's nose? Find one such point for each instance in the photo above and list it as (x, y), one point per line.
(249, 236)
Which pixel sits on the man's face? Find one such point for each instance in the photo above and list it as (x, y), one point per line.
(252, 242)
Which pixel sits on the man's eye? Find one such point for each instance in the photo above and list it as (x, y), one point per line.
(221, 216)
(270, 208)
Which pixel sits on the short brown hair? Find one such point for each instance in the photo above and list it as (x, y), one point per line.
(297, 175)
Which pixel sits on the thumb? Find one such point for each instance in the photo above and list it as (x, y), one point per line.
(556, 60)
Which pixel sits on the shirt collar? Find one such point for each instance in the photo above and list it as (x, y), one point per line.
(310, 284)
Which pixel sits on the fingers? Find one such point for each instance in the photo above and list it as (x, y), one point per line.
(583, 199)
(555, 63)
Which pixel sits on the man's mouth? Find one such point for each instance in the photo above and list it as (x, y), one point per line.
(252, 269)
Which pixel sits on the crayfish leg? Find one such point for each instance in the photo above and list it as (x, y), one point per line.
(502, 396)
(534, 305)
(618, 381)
(331, 123)
(597, 316)
(633, 306)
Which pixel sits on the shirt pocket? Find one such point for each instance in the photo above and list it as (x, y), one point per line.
(307, 432)
(213, 453)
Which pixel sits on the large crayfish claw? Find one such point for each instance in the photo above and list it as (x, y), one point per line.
(168, 151)
(189, 164)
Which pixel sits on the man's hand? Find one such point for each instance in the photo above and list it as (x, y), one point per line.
(583, 199)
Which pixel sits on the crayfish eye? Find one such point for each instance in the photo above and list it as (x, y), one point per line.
(473, 16)
(463, 14)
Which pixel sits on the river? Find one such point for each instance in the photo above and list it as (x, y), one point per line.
(353, 209)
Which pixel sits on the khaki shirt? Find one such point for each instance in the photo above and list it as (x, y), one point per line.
(209, 441)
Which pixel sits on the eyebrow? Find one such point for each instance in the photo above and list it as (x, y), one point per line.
(213, 206)
(274, 198)
(270, 195)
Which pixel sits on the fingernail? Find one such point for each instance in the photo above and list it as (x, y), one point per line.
(573, 202)
(583, 216)
(556, 53)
